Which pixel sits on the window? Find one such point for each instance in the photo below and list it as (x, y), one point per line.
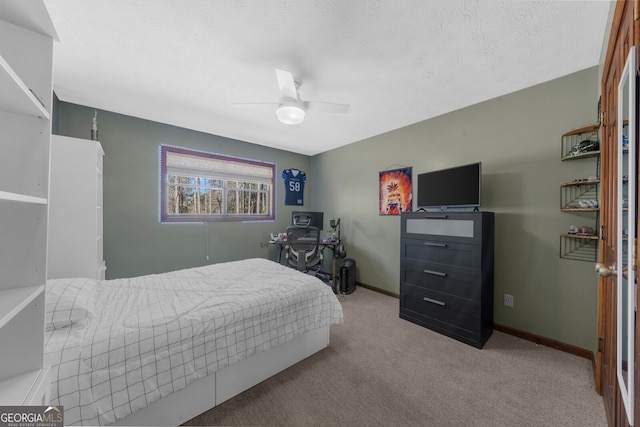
(199, 186)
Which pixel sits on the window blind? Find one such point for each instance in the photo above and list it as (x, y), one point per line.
(210, 167)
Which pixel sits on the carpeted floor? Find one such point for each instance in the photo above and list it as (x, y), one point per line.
(380, 370)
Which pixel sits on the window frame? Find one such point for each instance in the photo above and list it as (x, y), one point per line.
(166, 217)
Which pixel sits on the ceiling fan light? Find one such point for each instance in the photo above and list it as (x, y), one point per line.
(290, 114)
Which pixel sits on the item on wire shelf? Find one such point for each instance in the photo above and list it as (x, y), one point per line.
(588, 203)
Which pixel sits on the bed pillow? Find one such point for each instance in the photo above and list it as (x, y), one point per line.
(68, 302)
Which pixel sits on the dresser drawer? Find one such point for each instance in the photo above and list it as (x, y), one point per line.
(440, 315)
(463, 288)
(468, 257)
(458, 227)
(450, 300)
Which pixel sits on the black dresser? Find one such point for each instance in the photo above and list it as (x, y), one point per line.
(446, 273)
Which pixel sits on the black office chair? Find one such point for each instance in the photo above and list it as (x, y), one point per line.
(303, 248)
(302, 219)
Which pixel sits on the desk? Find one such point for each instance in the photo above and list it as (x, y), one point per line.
(324, 244)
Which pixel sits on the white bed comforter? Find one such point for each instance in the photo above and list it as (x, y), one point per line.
(115, 346)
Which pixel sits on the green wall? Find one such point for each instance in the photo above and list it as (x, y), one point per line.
(135, 242)
(517, 137)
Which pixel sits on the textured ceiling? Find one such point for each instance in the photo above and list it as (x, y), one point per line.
(396, 62)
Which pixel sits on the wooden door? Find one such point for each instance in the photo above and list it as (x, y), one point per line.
(606, 359)
(621, 39)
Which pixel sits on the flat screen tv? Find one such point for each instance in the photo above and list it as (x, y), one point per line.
(457, 187)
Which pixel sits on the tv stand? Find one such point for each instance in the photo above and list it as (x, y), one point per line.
(446, 273)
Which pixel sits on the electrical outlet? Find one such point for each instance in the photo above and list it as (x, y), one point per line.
(508, 300)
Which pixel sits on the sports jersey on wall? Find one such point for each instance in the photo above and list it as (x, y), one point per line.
(294, 186)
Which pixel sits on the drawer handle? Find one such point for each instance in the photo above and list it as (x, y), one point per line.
(436, 273)
(440, 245)
(436, 216)
(434, 301)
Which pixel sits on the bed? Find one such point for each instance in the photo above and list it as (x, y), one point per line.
(163, 348)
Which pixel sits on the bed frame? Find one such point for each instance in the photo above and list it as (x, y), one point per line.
(211, 391)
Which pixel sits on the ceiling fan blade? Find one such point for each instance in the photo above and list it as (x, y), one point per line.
(326, 107)
(286, 84)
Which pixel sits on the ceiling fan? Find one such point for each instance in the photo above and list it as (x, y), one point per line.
(291, 109)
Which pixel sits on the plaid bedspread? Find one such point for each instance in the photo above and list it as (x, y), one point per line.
(115, 346)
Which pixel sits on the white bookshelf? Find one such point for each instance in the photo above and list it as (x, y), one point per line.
(26, 58)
